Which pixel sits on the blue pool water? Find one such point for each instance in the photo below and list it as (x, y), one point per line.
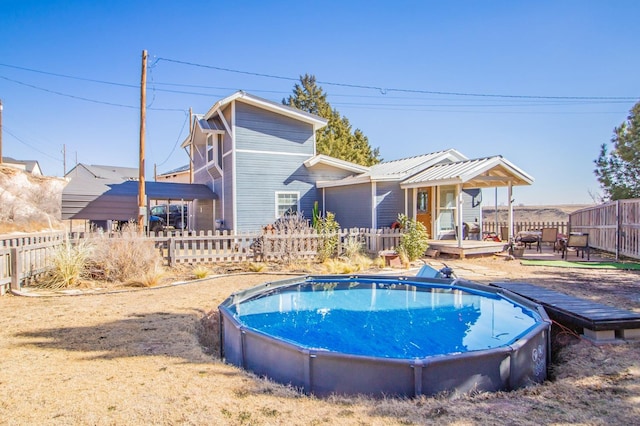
(386, 320)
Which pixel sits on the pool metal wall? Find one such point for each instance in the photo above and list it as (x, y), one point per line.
(323, 373)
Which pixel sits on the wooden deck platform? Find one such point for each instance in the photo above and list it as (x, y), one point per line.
(600, 323)
(469, 247)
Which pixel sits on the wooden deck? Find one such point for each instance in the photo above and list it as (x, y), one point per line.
(600, 323)
(469, 247)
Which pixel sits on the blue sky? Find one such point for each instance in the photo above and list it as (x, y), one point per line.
(543, 58)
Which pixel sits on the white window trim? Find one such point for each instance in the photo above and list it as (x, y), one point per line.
(296, 193)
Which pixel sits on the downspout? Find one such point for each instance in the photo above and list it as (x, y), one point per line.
(374, 206)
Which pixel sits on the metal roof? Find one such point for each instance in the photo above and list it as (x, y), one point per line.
(103, 199)
(397, 170)
(404, 167)
(486, 172)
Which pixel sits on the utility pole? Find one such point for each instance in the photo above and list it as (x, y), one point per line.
(0, 131)
(64, 159)
(190, 145)
(142, 205)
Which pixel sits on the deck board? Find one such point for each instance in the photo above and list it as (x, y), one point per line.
(577, 312)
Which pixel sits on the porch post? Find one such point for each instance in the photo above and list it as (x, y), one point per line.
(459, 210)
(510, 201)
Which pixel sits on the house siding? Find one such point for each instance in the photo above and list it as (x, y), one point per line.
(256, 207)
(260, 130)
(351, 205)
(389, 202)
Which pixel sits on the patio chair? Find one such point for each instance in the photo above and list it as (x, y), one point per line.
(504, 233)
(548, 235)
(579, 242)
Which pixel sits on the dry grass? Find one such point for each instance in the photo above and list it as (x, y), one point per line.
(149, 356)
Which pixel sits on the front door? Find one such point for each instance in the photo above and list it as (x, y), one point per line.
(424, 216)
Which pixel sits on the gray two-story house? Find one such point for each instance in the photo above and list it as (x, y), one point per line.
(259, 158)
(252, 152)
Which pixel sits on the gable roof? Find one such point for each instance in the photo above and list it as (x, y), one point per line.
(116, 173)
(485, 172)
(278, 108)
(31, 166)
(335, 162)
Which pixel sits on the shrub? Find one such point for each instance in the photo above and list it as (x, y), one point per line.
(329, 237)
(414, 238)
(352, 246)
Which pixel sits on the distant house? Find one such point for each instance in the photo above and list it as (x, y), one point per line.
(31, 166)
(178, 175)
(259, 158)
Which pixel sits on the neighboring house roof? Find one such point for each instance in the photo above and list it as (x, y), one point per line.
(31, 166)
(316, 121)
(477, 173)
(107, 172)
(180, 169)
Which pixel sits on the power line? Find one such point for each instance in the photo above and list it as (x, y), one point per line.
(29, 145)
(384, 90)
(81, 98)
(175, 145)
(70, 76)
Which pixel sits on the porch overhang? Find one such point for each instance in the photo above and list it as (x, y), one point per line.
(487, 172)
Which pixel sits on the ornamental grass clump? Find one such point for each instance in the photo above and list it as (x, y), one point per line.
(69, 265)
(126, 257)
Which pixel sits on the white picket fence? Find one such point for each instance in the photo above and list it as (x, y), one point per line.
(23, 257)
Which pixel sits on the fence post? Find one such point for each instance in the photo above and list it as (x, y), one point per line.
(16, 268)
(172, 252)
(618, 230)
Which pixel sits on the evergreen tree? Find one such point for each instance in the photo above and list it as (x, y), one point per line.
(336, 139)
(618, 171)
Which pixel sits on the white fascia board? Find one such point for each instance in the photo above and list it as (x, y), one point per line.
(516, 170)
(342, 182)
(335, 162)
(438, 182)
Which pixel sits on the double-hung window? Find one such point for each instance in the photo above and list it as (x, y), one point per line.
(287, 203)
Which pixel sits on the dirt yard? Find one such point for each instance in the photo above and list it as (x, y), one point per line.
(139, 357)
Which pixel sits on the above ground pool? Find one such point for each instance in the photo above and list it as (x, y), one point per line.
(380, 335)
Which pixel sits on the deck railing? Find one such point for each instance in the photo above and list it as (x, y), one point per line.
(489, 226)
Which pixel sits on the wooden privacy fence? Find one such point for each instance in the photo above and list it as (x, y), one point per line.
(23, 257)
(612, 227)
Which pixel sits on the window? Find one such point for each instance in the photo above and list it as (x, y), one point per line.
(209, 149)
(286, 202)
(447, 214)
(219, 151)
(214, 149)
(423, 201)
